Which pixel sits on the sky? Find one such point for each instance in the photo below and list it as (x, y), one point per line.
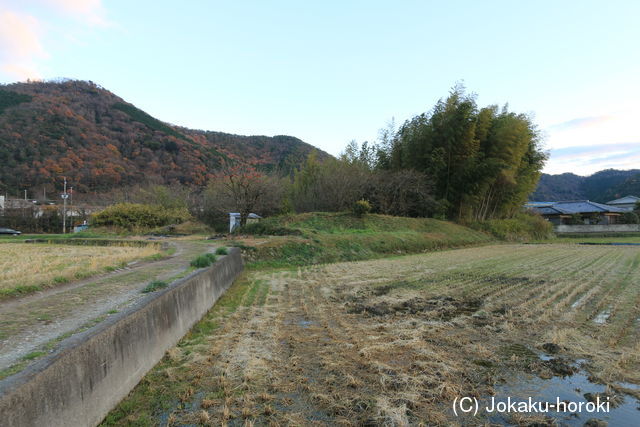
(334, 71)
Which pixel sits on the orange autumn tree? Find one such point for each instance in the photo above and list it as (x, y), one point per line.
(243, 188)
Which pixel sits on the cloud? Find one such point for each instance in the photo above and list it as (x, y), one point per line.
(20, 45)
(597, 130)
(580, 122)
(91, 12)
(21, 34)
(585, 160)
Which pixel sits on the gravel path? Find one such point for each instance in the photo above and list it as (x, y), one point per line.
(28, 324)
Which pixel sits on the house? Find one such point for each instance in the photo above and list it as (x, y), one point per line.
(584, 211)
(628, 202)
(234, 220)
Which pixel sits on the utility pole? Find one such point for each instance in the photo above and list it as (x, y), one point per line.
(71, 202)
(64, 207)
(25, 195)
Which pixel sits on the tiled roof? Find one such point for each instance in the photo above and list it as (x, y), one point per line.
(251, 215)
(573, 207)
(624, 200)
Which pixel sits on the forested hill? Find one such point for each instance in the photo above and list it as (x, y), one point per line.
(600, 187)
(99, 142)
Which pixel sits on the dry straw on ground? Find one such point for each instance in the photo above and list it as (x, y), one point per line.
(393, 342)
(25, 265)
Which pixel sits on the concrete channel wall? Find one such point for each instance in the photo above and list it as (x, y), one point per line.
(596, 228)
(91, 372)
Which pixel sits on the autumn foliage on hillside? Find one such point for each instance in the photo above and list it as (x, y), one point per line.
(99, 142)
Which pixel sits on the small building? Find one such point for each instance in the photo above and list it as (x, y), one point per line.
(234, 220)
(82, 227)
(628, 203)
(584, 211)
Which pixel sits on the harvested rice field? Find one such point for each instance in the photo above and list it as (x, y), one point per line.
(27, 268)
(397, 341)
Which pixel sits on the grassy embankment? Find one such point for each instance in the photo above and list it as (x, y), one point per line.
(316, 238)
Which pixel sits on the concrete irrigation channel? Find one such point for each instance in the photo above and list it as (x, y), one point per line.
(88, 373)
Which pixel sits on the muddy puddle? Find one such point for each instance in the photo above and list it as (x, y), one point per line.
(602, 317)
(574, 386)
(442, 308)
(301, 322)
(579, 301)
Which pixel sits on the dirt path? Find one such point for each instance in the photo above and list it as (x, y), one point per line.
(31, 325)
(394, 341)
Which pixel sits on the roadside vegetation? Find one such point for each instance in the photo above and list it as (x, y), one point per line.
(522, 227)
(204, 260)
(154, 286)
(135, 216)
(28, 268)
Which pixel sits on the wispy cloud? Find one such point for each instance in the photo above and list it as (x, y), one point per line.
(597, 130)
(22, 50)
(580, 122)
(585, 160)
(91, 12)
(20, 45)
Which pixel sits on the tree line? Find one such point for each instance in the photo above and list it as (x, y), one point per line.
(457, 161)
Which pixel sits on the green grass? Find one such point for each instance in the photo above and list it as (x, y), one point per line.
(316, 238)
(17, 367)
(222, 251)
(33, 355)
(81, 235)
(341, 223)
(154, 286)
(522, 227)
(158, 392)
(13, 369)
(204, 260)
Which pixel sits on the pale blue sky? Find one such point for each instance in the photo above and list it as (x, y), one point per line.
(333, 71)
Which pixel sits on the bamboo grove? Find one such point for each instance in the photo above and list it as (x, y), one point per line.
(483, 162)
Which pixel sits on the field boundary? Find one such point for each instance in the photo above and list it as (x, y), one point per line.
(91, 372)
(96, 242)
(596, 228)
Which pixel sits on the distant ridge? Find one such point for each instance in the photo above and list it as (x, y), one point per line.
(600, 187)
(100, 142)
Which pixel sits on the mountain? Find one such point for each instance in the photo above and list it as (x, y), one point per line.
(600, 187)
(99, 142)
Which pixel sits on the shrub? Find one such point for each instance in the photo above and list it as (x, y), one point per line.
(629, 218)
(134, 216)
(522, 227)
(222, 251)
(204, 260)
(154, 286)
(267, 228)
(361, 208)
(576, 219)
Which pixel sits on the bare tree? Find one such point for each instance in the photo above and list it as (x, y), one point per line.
(402, 193)
(243, 189)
